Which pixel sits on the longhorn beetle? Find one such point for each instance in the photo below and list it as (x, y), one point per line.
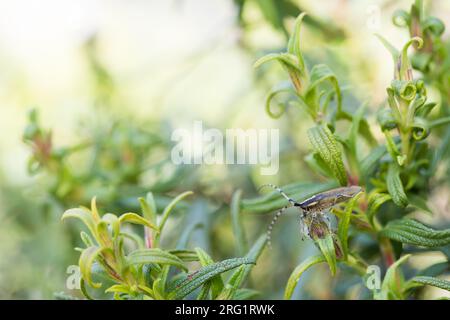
(313, 206)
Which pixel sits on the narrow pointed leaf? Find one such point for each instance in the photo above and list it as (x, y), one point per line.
(297, 273)
(86, 261)
(395, 186)
(344, 224)
(326, 246)
(158, 256)
(238, 228)
(84, 215)
(327, 147)
(415, 233)
(390, 288)
(185, 255)
(216, 282)
(431, 281)
(190, 282)
(136, 219)
(170, 206)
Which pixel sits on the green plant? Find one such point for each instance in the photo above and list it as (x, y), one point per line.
(117, 154)
(433, 61)
(142, 269)
(396, 172)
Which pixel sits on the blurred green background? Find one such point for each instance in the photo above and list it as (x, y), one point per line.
(113, 79)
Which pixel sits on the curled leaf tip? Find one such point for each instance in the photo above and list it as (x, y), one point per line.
(417, 40)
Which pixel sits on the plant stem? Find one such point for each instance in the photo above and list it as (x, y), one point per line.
(357, 264)
(387, 251)
(385, 245)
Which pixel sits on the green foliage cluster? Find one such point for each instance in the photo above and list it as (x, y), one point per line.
(396, 173)
(123, 257)
(142, 270)
(118, 154)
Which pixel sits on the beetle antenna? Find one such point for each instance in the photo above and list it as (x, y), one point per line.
(272, 223)
(291, 201)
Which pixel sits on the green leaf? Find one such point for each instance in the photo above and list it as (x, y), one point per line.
(431, 281)
(291, 64)
(232, 285)
(294, 41)
(216, 282)
(439, 122)
(366, 133)
(188, 283)
(148, 207)
(287, 60)
(245, 294)
(135, 238)
(355, 129)
(147, 256)
(94, 210)
(238, 228)
(185, 255)
(435, 269)
(419, 202)
(326, 246)
(85, 216)
(326, 146)
(87, 240)
(344, 224)
(156, 289)
(204, 291)
(421, 128)
(391, 288)
(395, 186)
(392, 146)
(401, 18)
(392, 50)
(113, 221)
(376, 199)
(318, 165)
(104, 238)
(136, 219)
(163, 280)
(146, 290)
(415, 233)
(386, 119)
(253, 255)
(186, 234)
(434, 25)
(85, 262)
(402, 66)
(405, 64)
(321, 73)
(297, 273)
(169, 208)
(120, 288)
(369, 163)
(84, 290)
(281, 105)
